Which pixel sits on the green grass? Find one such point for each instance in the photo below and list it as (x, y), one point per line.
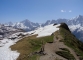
(65, 49)
(66, 55)
(32, 44)
(71, 41)
(29, 45)
(34, 57)
(38, 42)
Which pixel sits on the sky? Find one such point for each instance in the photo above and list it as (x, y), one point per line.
(39, 10)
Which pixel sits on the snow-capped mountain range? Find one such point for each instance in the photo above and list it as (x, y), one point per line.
(25, 24)
(6, 31)
(45, 29)
(75, 24)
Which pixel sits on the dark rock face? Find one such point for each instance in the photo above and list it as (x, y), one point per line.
(55, 24)
(64, 25)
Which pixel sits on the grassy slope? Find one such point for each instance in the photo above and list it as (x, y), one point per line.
(71, 41)
(66, 55)
(64, 51)
(29, 45)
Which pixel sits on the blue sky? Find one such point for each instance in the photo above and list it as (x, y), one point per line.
(39, 10)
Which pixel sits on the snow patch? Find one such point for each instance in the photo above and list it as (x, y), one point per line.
(48, 30)
(74, 27)
(5, 51)
(45, 31)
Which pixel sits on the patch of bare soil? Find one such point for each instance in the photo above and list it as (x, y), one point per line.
(51, 48)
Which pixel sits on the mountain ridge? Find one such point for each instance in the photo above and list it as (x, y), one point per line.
(75, 24)
(61, 44)
(54, 40)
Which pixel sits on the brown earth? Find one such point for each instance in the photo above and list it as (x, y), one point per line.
(51, 48)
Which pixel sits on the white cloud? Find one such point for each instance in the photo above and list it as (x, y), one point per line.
(70, 11)
(63, 11)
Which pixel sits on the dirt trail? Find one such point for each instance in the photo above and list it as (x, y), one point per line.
(51, 48)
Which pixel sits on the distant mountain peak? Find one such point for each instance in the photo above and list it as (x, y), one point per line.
(80, 16)
(26, 20)
(8, 24)
(28, 25)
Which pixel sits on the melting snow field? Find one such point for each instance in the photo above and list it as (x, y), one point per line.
(45, 31)
(5, 51)
(48, 30)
